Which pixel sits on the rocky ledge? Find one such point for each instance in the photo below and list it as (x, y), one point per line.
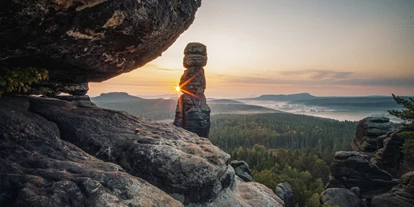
(60, 153)
(80, 41)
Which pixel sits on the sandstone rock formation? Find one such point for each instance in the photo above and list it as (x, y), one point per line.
(192, 111)
(285, 192)
(372, 173)
(367, 133)
(401, 195)
(390, 158)
(353, 169)
(47, 146)
(340, 197)
(38, 168)
(242, 170)
(81, 41)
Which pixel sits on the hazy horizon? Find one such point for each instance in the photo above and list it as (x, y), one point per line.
(326, 48)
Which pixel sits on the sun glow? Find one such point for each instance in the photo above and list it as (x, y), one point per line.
(177, 88)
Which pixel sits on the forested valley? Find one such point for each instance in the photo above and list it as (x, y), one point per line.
(284, 148)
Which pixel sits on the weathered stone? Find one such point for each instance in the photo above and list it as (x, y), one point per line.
(82, 41)
(192, 111)
(401, 195)
(390, 158)
(242, 170)
(189, 168)
(285, 192)
(340, 197)
(367, 133)
(353, 169)
(38, 168)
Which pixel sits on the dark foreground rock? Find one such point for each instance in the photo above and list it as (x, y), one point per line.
(81, 41)
(40, 169)
(353, 169)
(367, 133)
(285, 192)
(185, 166)
(242, 170)
(390, 157)
(401, 195)
(340, 197)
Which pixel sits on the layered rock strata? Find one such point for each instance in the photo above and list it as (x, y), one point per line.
(367, 133)
(242, 170)
(390, 157)
(401, 195)
(192, 111)
(49, 147)
(82, 41)
(353, 169)
(285, 192)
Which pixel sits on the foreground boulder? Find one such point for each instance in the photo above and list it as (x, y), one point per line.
(340, 197)
(188, 168)
(81, 41)
(40, 169)
(390, 157)
(285, 192)
(367, 133)
(401, 195)
(242, 170)
(353, 169)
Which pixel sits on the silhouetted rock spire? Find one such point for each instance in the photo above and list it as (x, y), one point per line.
(192, 111)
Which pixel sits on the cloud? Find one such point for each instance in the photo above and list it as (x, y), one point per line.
(167, 69)
(317, 74)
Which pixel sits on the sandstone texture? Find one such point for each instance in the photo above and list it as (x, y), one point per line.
(353, 169)
(367, 133)
(390, 158)
(340, 197)
(68, 153)
(372, 171)
(192, 111)
(38, 168)
(401, 195)
(285, 192)
(80, 41)
(242, 170)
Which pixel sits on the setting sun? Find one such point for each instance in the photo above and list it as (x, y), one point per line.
(177, 88)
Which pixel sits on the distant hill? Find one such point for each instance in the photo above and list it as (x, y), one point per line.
(223, 101)
(281, 97)
(160, 109)
(115, 96)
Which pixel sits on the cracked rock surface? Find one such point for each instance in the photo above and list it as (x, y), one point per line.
(60, 153)
(80, 41)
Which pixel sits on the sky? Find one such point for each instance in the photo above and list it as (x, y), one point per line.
(324, 47)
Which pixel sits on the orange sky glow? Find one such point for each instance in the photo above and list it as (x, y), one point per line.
(326, 48)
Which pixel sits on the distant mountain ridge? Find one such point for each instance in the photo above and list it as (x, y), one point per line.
(162, 109)
(115, 96)
(283, 97)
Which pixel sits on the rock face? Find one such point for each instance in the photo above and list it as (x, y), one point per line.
(192, 111)
(401, 195)
(390, 158)
(367, 133)
(353, 169)
(372, 173)
(285, 192)
(340, 197)
(38, 168)
(47, 146)
(242, 170)
(80, 41)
